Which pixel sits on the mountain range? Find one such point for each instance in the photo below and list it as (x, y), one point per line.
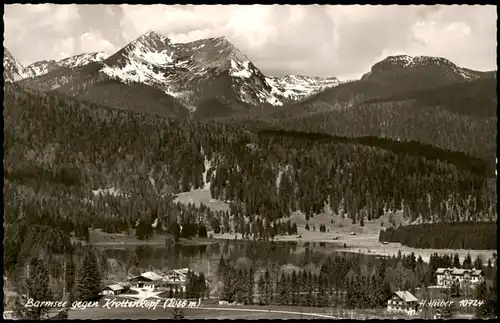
(211, 78)
(44, 67)
(196, 74)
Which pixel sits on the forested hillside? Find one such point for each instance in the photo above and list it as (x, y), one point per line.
(459, 116)
(60, 145)
(463, 235)
(347, 281)
(71, 166)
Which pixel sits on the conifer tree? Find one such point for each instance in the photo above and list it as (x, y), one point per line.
(467, 264)
(282, 290)
(456, 261)
(262, 290)
(88, 283)
(36, 288)
(221, 269)
(478, 263)
(70, 272)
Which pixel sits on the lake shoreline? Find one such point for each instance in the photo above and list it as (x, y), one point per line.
(364, 243)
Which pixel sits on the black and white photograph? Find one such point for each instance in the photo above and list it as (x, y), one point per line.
(251, 162)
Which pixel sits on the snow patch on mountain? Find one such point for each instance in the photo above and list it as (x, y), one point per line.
(13, 70)
(162, 58)
(146, 61)
(199, 47)
(39, 68)
(83, 59)
(44, 67)
(206, 180)
(135, 71)
(265, 96)
(108, 191)
(296, 87)
(413, 62)
(240, 69)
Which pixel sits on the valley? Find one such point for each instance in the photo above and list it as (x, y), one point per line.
(294, 195)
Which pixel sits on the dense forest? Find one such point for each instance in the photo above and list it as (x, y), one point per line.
(345, 281)
(469, 98)
(59, 152)
(71, 166)
(460, 116)
(406, 120)
(461, 235)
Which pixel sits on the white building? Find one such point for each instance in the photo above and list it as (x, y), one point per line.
(402, 302)
(448, 276)
(147, 280)
(176, 275)
(114, 289)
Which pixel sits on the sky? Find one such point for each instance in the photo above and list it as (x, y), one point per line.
(316, 40)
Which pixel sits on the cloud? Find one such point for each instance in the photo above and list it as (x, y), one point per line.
(343, 41)
(94, 42)
(38, 32)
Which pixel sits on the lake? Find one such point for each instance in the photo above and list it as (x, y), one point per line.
(205, 258)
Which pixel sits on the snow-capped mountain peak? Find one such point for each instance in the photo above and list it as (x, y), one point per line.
(12, 70)
(150, 42)
(419, 71)
(143, 60)
(44, 67)
(195, 73)
(83, 59)
(415, 61)
(297, 87)
(183, 69)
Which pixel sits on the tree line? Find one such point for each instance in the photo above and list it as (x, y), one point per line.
(461, 235)
(346, 281)
(82, 283)
(278, 175)
(59, 152)
(459, 117)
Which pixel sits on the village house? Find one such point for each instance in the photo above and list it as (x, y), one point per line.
(446, 277)
(176, 279)
(171, 280)
(176, 275)
(147, 280)
(115, 289)
(402, 302)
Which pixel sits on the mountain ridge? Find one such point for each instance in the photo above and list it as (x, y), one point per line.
(419, 71)
(213, 72)
(13, 71)
(206, 69)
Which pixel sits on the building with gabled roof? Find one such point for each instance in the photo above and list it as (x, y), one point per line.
(115, 289)
(149, 280)
(402, 302)
(446, 277)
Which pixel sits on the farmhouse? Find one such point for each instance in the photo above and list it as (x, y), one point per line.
(476, 276)
(173, 280)
(449, 276)
(402, 302)
(147, 280)
(176, 279)
(114, 289)
(176, 275)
